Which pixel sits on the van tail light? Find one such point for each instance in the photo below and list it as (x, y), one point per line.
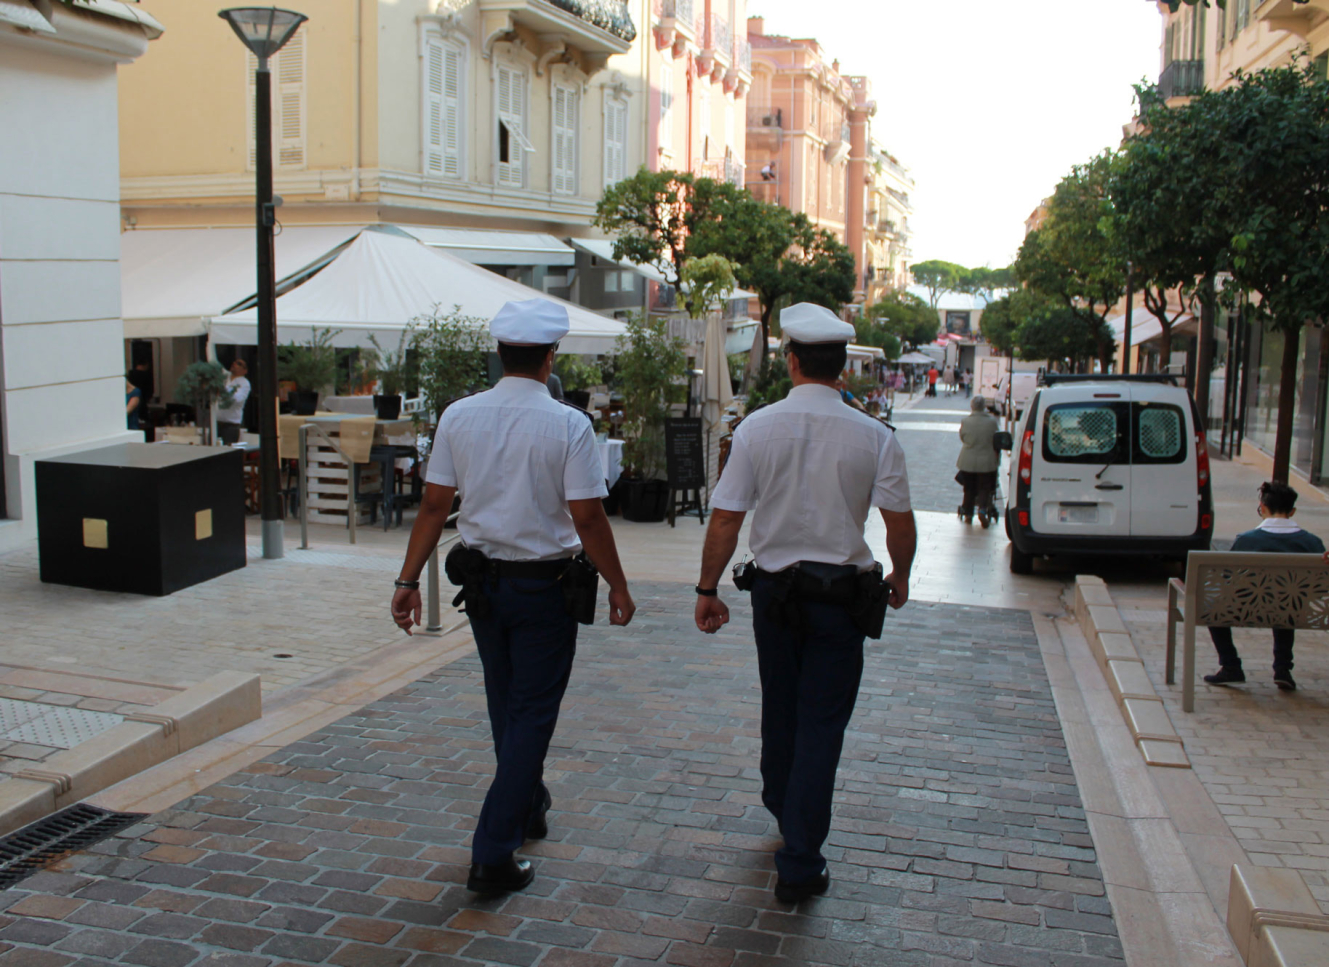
(1201, 461)
(1024, 518)
(1027, 458)
(1206, 522)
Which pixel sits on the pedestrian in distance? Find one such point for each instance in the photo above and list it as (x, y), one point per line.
(1277, 533)
(531, 484)
(948, 380)
(967, 379)
(809, 469)
(230, 418)
(932, 380)
(978, 462)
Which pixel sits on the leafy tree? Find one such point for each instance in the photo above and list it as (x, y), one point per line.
(771, 385)
(984, 282)
(905, 316)
(1058, 335)
(1168, 219)
(1275, 125)
(649, 215)
(1072, 259)
(310, 365)
(202, 385)
(868, 333)
(648, 364)
(706, 280)
(937, 277)
(819, 268)
(453, 352)
(999, 325)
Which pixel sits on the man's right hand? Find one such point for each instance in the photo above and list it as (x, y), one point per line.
(406, 609)
(711, 614)
(621, 606)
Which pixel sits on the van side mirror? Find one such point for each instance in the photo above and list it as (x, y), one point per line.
(1001, 440)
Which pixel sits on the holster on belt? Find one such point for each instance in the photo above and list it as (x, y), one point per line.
(581, 585)
(863, 595)
(469, 569)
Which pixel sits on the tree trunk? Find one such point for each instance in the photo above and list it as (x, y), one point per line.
(765, 335)
(1204, 350)
(1165, 345)
(1287, 402)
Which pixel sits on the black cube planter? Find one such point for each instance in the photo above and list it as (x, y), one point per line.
(140, 517)
(387, 407)
(644, 501)
(304, 402)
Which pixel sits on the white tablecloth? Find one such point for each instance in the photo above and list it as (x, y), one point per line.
(611, 459)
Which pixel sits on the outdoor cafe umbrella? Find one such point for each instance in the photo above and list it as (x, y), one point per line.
(917, 358)
(716, 390)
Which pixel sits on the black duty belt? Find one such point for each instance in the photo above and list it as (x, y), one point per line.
(548, 570)
(864, 595)
(472, 571)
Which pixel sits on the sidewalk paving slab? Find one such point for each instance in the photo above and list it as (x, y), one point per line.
(959, 834)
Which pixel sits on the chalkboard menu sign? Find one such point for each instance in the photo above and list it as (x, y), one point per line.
(685, 458)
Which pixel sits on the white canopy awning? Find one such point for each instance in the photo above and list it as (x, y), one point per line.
(1144, 325)
(381, 281)
(173, 279)
(739, 338)
(483, 247)
(865, 352)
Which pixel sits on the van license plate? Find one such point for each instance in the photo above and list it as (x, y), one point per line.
(1077, 515)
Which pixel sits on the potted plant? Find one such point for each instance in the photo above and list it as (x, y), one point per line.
(453, 356)
(312, 366)
(392, 369)
(202, 385)
(578, 374)
(649, 365)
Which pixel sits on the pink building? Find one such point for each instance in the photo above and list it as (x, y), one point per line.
(808, 136)
(700, 68)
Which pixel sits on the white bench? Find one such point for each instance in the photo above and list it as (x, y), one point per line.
(1242, 589)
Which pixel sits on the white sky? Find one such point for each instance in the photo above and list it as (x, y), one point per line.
(987, 102)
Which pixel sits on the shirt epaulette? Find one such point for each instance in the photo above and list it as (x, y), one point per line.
(574, 406)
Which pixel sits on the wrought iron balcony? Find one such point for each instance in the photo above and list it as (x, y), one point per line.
(721, 36)
(678, 10)
(1181, 78)
(609, 15)
(743, 56)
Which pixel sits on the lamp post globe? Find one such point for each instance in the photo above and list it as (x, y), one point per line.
(264, 30)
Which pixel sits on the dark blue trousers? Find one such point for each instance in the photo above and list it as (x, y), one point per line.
(809, 683)
(1284, 638)
(526, 645)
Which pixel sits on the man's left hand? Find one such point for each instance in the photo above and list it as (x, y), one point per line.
(899, 590)
(406, 608)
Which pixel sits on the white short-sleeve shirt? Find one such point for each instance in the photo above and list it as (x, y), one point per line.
(516, 457)
(812, 467)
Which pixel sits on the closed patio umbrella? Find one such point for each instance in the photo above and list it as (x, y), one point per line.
(716, 390)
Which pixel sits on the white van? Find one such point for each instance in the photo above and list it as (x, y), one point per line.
(1022, 388)
(1108, 465)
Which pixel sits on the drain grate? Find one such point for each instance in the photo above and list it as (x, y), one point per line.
(40, 844)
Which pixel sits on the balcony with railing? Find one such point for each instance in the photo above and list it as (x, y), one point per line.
(676, 24)
(601, 27)
(1181, 78)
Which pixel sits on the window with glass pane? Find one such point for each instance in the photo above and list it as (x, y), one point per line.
(1159, 434)
(1074, 431)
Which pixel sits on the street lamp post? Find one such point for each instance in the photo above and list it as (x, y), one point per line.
(264, 30)
(1130, 311)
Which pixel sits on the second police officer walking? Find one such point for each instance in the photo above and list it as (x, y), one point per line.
(531, 485)
(810, 469)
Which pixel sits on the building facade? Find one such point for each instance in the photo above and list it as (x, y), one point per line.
(887, 255)
(62, 385)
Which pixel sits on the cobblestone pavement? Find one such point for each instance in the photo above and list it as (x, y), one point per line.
(958, 836)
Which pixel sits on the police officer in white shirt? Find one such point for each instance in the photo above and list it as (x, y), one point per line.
(531, 483)
(810, 468)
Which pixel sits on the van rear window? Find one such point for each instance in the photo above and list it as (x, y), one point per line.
(1080, 432)
(1160, 434)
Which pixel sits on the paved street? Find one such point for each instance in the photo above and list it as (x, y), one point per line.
(930, 434)
(958, 836)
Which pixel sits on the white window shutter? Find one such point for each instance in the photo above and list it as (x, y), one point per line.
(666, 105)
(288, 105)
(289, 111)
(434, 107)
(565, 141)
(512, 114)
(616, 139)
(452, 106)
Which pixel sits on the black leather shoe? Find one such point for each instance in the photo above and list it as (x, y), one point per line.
(787, 892)
(1226, 676)
(490, 878)
(537, 826)
(1284, 681)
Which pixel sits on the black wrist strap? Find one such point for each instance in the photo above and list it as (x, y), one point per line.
(707, 592)
(407, 585)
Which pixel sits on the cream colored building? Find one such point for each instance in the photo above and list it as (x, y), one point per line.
(887, 254)
(503, 114)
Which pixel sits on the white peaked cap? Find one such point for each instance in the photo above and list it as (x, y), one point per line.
(808, 323)
(533, 322)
